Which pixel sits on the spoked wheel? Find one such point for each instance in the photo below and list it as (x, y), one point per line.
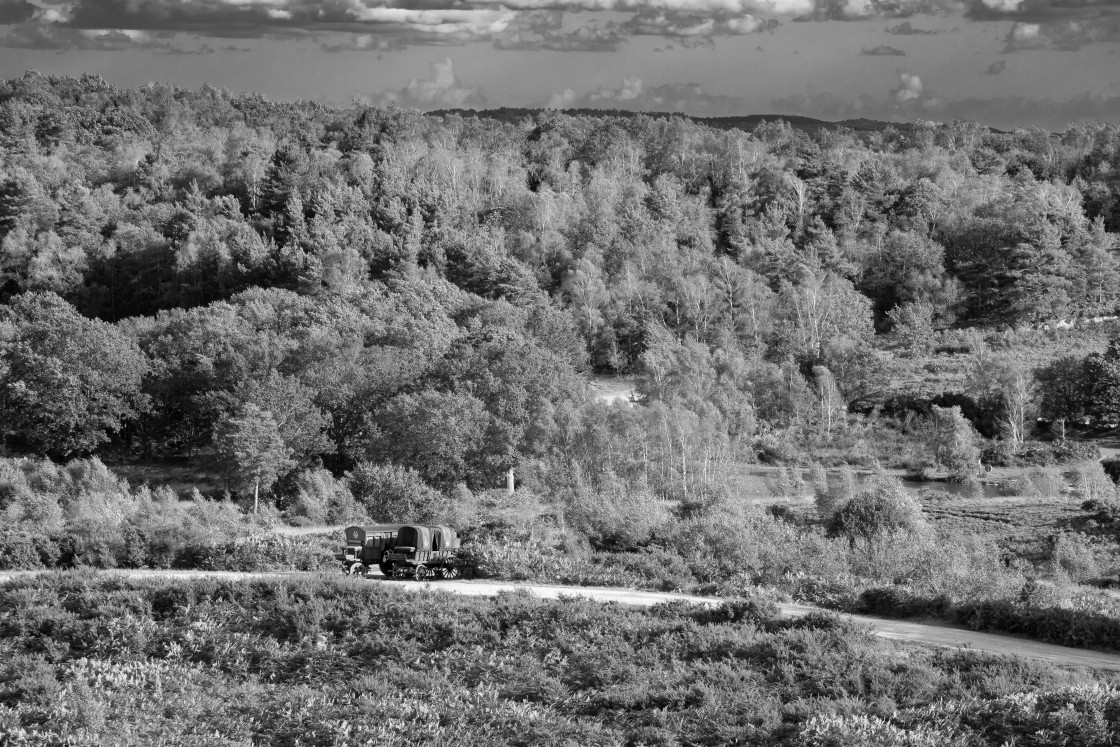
(449, 572)
(358, 569)
(422, 573)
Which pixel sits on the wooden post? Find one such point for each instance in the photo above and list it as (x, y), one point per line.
(509, 482)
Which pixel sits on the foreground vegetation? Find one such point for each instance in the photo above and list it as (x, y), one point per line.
(102, 661)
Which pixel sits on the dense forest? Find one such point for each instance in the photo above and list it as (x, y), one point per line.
(291, 287)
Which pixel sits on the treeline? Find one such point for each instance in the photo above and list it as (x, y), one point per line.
(194, 270)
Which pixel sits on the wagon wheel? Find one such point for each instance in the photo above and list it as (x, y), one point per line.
(422, 573)
(358, 569)
(450, 572)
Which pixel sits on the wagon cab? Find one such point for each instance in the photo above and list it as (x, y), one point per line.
(366, 546)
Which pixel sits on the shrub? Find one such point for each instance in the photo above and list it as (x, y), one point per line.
(1073, 557)
(1044, 483)
(868, 731)
(19, 551)
(318, 498)
(1111, 468)
(616, 515)
(786, 482)
(393, 494)
(894, 601)
(884, 508)
(1093, 484)
(839, 492)
(1105, 511)
(954, 441)
(1068, 627)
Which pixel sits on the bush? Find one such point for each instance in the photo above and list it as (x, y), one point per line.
(318, 498)
(1111, 468)
(617, 516)
(1093, 484)
(786, 482)
(1068, 627)
(894, 601)
(838, 493)
(868, 731)
(392, 494)
(19, 551)
(884, 509)
(1073, 557)
(1105, 511)
(1038, 453)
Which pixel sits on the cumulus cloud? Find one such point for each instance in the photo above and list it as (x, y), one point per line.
(906, 29)
(635, 95)
(440, 91)
(688, 29)
(882, 51)
(850, 10)
(1070, 34)
(909, 88)
(544, 30)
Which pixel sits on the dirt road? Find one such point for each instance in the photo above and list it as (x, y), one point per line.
(928, 634)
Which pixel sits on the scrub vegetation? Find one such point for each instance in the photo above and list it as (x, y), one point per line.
(340, 662)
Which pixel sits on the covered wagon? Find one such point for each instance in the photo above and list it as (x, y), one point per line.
(423, 552)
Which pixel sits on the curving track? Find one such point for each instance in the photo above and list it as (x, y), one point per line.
(929, 634)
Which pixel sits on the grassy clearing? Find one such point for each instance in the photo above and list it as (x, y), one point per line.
(97, 661)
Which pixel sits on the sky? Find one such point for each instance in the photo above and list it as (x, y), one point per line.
(1006, 63)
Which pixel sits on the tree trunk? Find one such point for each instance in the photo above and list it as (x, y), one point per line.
(256, 495)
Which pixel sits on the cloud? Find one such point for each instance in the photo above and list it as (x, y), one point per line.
(544, 30)
(378, 26)
(882, 51)
(35, 36)
(850, 10)
(440, 91)
(384, 25)
(997, 67)
(906, 29)
(909, 88)
(635, 95)
(690, 30)
(363, 43)
(16, 11)
(1067, 34)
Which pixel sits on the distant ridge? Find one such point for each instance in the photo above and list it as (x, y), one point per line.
(746, 122)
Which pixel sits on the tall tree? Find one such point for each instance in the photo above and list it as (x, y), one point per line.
(68, 381)
(249, 446)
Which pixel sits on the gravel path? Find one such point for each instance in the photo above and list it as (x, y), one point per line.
(929, 634)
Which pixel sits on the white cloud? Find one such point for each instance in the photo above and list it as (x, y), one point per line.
(441, 90)
(562, 100)
(1004, 6)
(909, 88)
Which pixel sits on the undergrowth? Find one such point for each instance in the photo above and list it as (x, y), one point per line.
(87, 660)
